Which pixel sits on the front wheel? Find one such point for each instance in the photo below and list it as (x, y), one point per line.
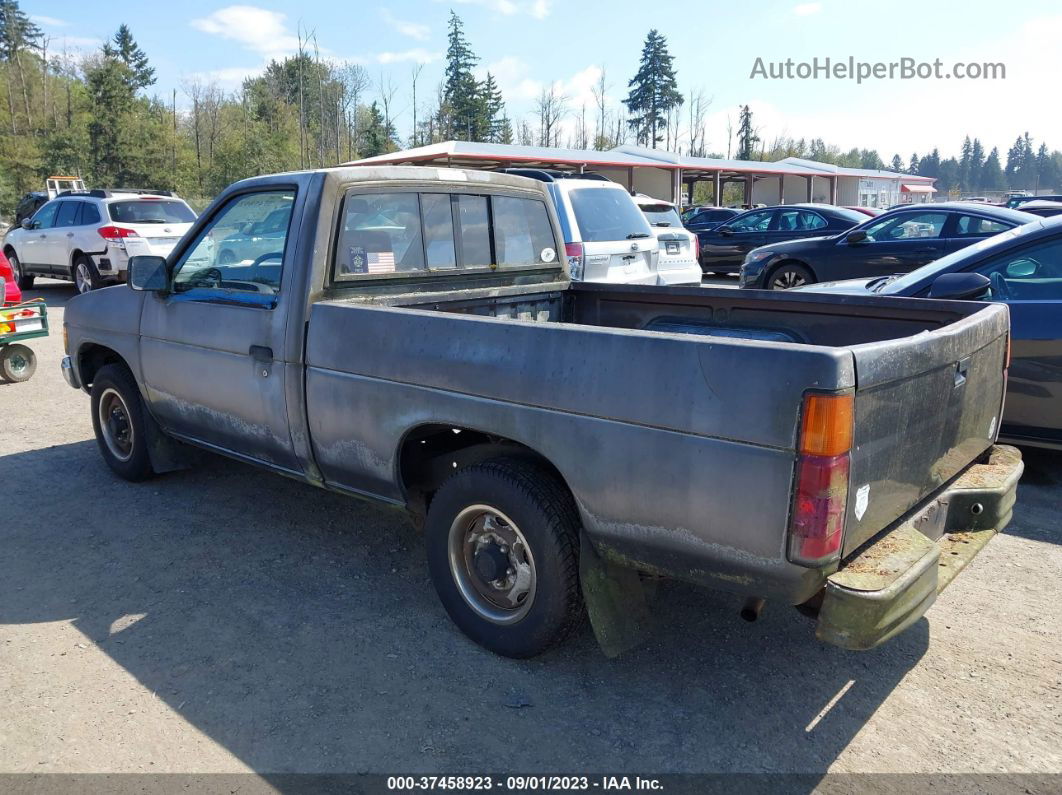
(502, 541)
(789, 276)
(17, 362)
(23, 279)
(119, 421)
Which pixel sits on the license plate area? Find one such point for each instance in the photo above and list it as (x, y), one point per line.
(671, 248)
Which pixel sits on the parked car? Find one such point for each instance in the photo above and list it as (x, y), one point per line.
(1021, 268)
(724, 248)
(11, 294)
(677, 263)
(873, 212)
(895, 242)
(29, 204)
(606, 236)
(555, 438)
(1016, 201)
(87, 237)
(703, 219)
(1042, 208)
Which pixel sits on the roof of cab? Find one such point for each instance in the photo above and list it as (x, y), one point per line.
(384, 173)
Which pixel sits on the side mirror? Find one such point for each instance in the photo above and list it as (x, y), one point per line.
(857, 236)
(960, 286)
(27, 223)
(725, 230)
(148, 274)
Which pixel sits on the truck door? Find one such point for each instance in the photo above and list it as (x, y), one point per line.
(212, 349)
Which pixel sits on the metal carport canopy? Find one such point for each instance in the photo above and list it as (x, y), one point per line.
(471, 154)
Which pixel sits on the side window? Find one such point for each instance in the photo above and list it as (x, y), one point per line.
(45, 217)
(89, 214)
(972, 226)
(812, 221)
(380, 235)
(67, 213)
(907, 226)
(229, 254)
(753, 222)
(798, 221)
(474, 241)
(1031, 274)
(522, 232)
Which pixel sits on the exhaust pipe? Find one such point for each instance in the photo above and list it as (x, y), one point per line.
(751, 609)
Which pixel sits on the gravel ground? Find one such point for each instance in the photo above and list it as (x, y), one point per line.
(223, 620)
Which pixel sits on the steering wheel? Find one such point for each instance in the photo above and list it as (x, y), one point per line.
(1000, 291)
(208, 277)
(252, 273)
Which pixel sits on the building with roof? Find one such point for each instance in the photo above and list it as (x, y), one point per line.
(671, 176)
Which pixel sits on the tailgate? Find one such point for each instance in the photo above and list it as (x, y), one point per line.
(925, 407)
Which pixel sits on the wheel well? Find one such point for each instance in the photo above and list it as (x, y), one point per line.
(9, 251)
(429, 454)
(91, 358)
(791, 261)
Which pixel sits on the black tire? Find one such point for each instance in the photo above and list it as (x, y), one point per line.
(544, 512)
(24, 280)
(135, 464)
(789, 275)
(84, 274)
(17, 362)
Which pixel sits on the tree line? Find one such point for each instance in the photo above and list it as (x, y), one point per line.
(93, 115)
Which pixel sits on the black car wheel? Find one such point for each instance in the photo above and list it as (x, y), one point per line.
(23, 279)
(502, 540)
(119, 421)
(788, 276)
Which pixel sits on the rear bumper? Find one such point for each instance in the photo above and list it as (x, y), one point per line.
(679, 274)
(890, 582)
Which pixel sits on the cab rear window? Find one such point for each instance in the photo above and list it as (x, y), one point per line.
(393, 234)
(150, 211)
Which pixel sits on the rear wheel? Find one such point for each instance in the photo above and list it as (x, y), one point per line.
(789, 275)
(23, 279)
(502, 542)
(119, 421)
(86, 277)
(17, 362)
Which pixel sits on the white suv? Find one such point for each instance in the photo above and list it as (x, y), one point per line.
(678, 247)
(87, 237)
(606, 237)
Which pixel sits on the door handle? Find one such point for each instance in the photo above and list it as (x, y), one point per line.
(69, 234)
(261, 353)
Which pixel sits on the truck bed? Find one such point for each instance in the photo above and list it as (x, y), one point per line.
(693, 393)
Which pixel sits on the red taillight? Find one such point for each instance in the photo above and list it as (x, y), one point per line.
(115, 232)
(816, 526)
(573, 249)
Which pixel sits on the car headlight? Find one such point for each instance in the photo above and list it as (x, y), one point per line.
(758, 254)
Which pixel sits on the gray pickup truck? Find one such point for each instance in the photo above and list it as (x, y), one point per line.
(410, 336)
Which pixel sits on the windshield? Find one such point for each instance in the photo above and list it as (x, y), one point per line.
(607, 214)
(150, 211)
(661, 215)
(901, 284)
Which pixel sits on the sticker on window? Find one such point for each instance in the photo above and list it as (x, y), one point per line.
(362, 261)
(547, 255)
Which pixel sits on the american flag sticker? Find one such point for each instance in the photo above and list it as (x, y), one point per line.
(362, 261)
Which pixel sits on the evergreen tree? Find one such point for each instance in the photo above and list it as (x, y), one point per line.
(653, 91)
(18, 35)
(948, 175)
(111, 98)
(462, 97)
(869, 158)
(991, 174)
(128, 52)
(964, 165)
(929, 166)
(897, 164)
(377, 137)
(493, 108)
(912, 168)
(977, 164)
(747, 138)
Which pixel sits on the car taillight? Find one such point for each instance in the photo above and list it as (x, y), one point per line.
(574, 251)
(115, 232)
(816, 526)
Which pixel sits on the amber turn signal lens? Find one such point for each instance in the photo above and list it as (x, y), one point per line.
(827, 426)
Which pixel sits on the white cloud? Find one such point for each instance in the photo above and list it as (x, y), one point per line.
(807, 9)
(257, 29)
(49, 22)
(416, 55)
(513, 77)
(539, 9)
(228, 77)
(415, 30)
(60, 43)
